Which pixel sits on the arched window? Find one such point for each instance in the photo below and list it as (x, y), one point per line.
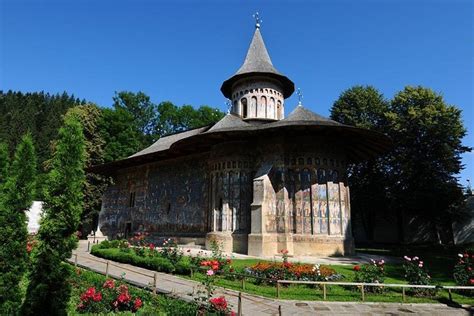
(263, 107)
(279, 116)
(243, 101)
(253, 106)
(335, 176)
(220, 211)
(321, 176)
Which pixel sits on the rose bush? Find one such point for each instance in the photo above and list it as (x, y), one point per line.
(416, 273)
(111, 298)
(374, 272)
(463, 270)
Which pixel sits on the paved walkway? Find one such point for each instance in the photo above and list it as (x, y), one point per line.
(253, 305)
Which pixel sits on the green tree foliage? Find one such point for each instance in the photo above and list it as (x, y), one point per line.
(418, 177)
(15, 199)
(172, 119)
(135, 122)
(365, 107)
(427, 134)
(121, 138)
(4, 164)
(89, 115)
(48, 291)
(37, 113)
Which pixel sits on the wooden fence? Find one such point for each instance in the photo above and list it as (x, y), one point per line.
(279, 283)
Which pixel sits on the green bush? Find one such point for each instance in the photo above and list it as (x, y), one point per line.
(155, 263)
(183, 266)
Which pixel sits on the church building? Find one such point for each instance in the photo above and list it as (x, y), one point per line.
(257, 181)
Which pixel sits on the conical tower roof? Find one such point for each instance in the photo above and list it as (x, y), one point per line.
(258, 62)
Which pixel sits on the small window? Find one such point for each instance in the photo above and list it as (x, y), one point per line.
(244, 107)
(131, 202)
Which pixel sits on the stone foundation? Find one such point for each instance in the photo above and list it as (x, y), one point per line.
(267, 245)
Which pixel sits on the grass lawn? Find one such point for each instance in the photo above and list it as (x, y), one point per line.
(439, 263)
(337, 293)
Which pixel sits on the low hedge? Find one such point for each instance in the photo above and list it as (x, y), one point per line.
(155, 263)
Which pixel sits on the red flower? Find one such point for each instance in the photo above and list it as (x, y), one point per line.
(152, 247)
(109, 284)
(229, 261)
(471, 281)
(219, 303)
(356, 268)
(137, 303)
(123, 298)
(97, 297)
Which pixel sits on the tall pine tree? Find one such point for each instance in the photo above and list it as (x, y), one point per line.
(15, 198)
(48, 291)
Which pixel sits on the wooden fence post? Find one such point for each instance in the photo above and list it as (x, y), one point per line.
(107, 269)
(278, 289)
(403, 294)
(239, 306)
(243, 283)
(155, 282)
(324, 291)
(362, 292)
(279, 310)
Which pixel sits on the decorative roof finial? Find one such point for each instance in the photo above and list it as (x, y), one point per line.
(228, 103)
(300, 96)
(258, 20)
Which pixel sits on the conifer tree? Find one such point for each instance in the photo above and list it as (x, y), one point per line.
(15, 198)
(4, 162)
(48, 291)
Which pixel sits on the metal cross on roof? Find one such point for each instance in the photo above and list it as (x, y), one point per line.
(300, 96)
(258, 20)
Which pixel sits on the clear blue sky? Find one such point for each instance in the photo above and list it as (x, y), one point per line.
(182, 50)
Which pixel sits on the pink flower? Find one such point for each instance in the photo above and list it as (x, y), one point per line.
(152, 247)
(109, 284)
(210, 272)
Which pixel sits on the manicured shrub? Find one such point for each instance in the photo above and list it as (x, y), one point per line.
(463, 270)
(16, 196)
(370, 273)
(183, 266)
(48, 290)
(155, 263)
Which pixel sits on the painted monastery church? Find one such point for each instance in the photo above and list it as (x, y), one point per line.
(256, 181)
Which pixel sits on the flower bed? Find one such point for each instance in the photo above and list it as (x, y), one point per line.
(94, 293)
(270, 272)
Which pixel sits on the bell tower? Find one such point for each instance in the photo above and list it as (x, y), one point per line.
(257, 89)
